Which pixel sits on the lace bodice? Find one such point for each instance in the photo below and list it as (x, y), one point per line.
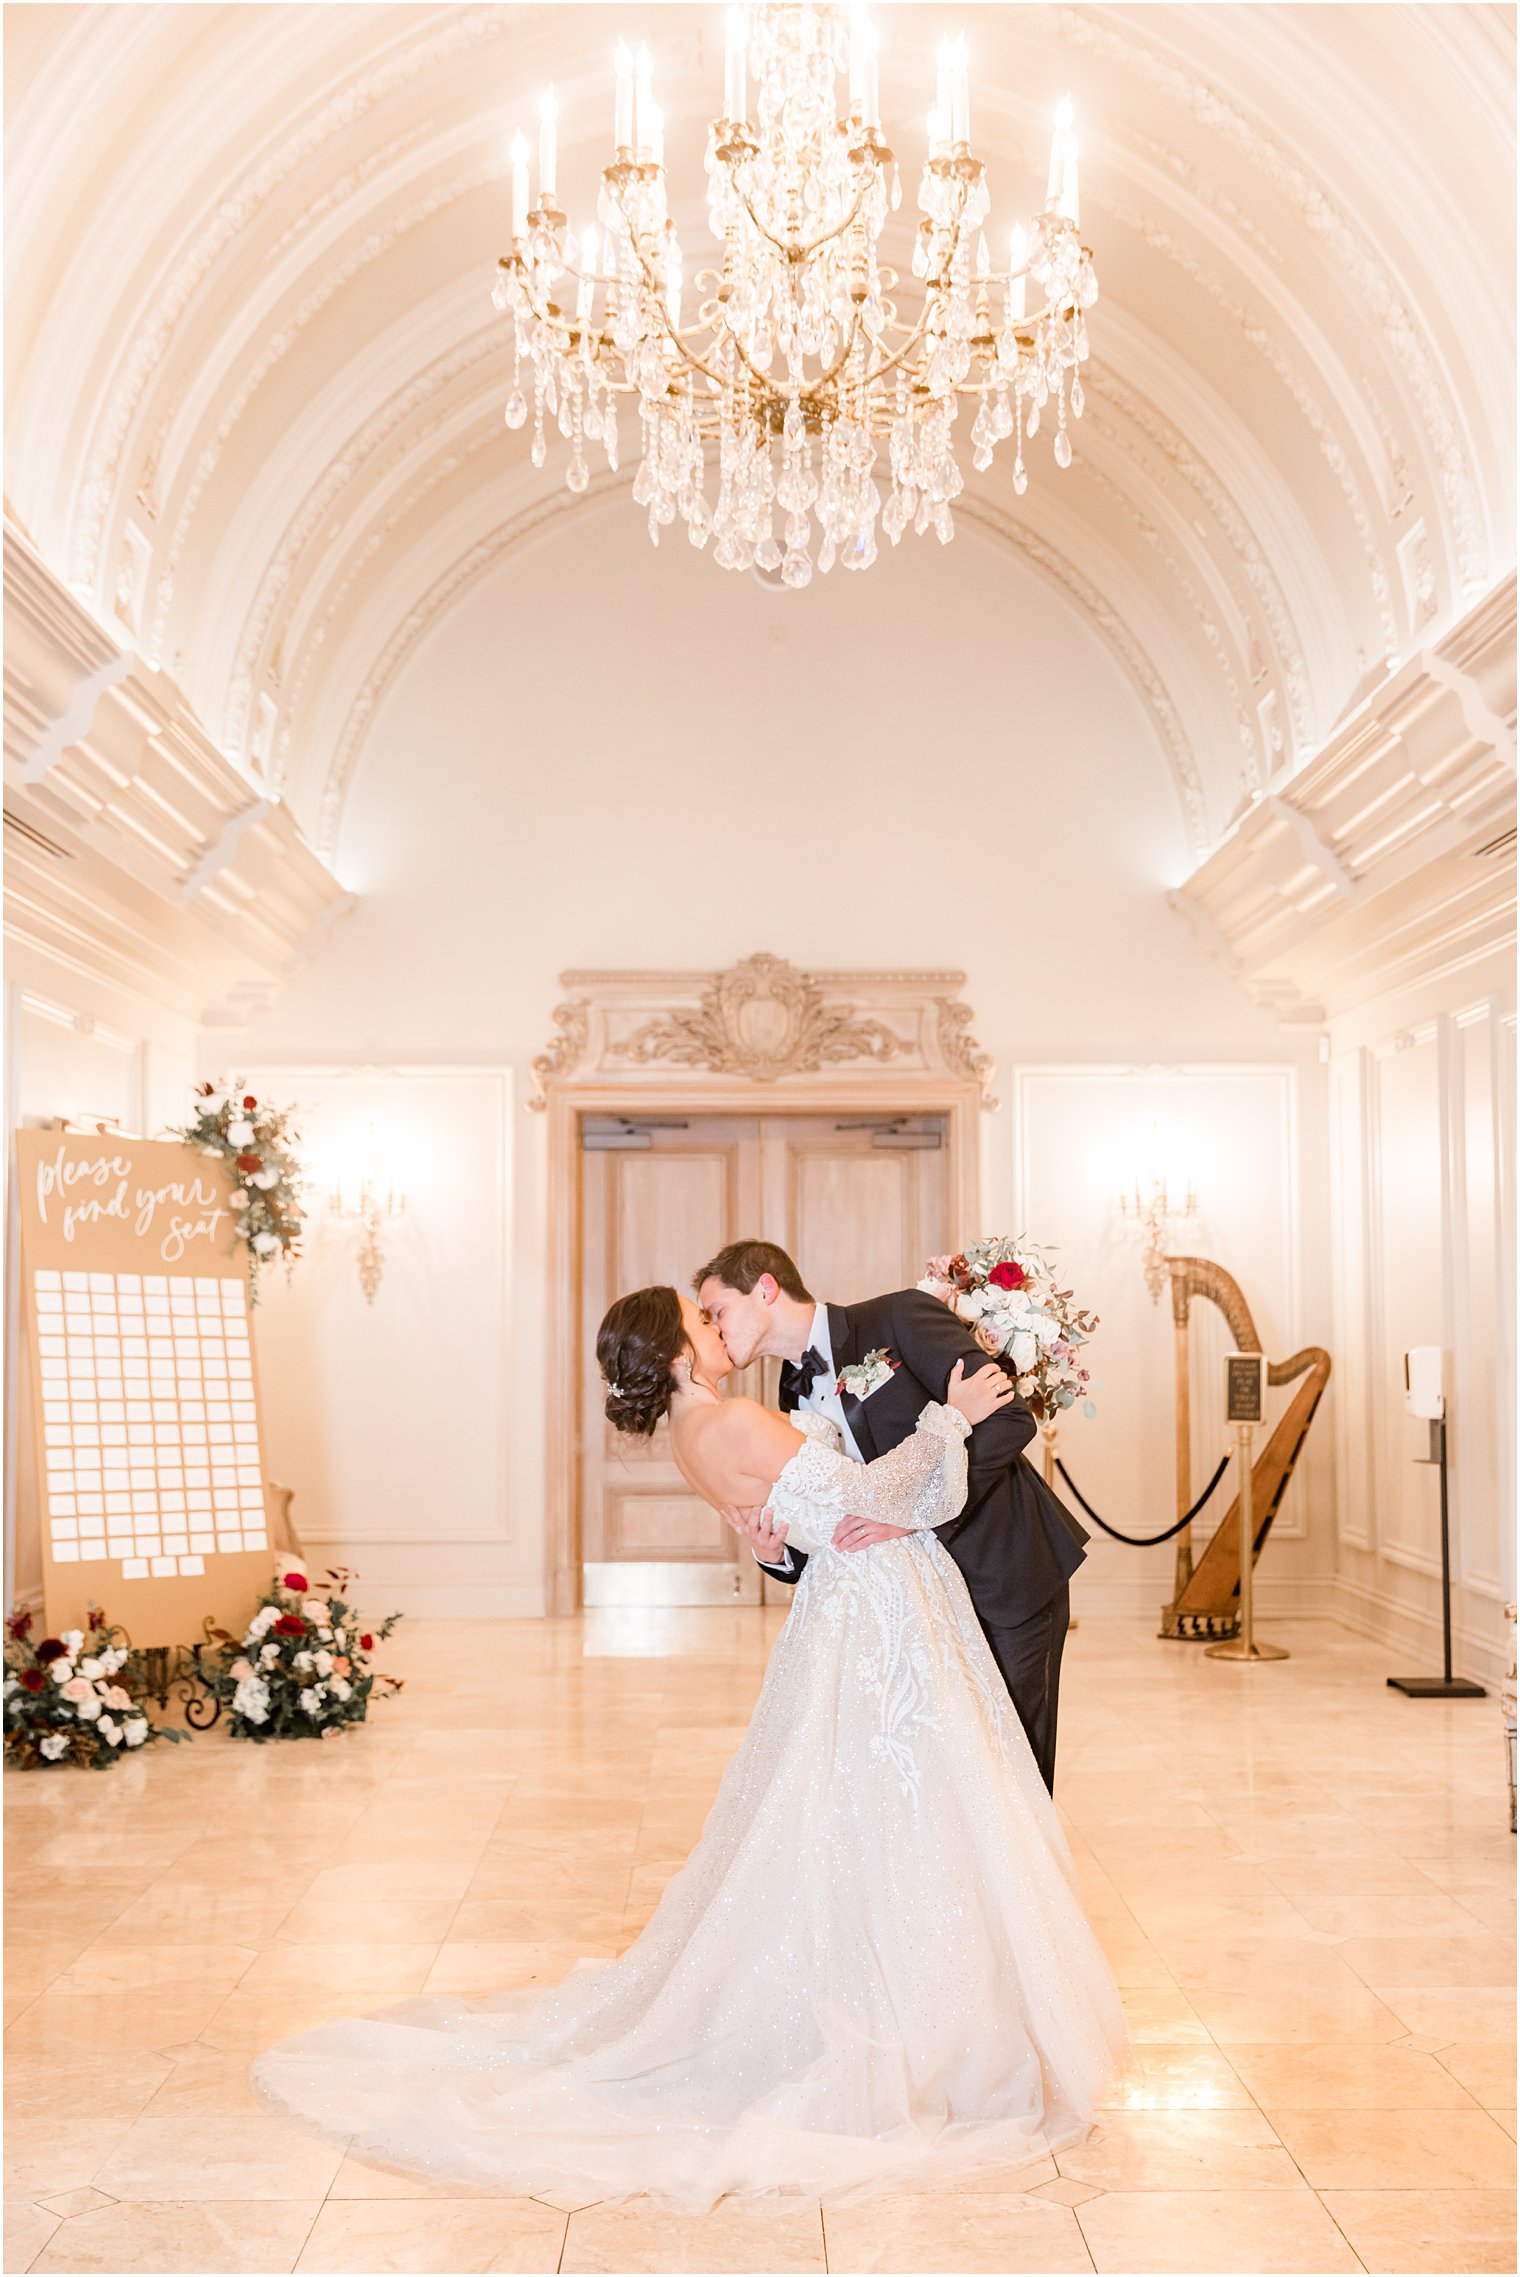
(920, 1484)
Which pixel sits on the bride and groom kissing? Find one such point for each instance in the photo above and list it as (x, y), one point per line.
(1015, 1542)
(874, 1970)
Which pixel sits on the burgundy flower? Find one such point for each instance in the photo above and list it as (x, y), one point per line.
(366, 1643)
(290, 1625)
(51, 1648)
(33, 1679)
(248, 1163)
(296, 1581)
(20, 1624)
(250, 1102)
(1007, 1276)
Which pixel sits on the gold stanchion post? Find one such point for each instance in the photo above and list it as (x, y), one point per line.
(1245, 1375)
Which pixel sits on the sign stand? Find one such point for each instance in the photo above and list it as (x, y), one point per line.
(1245, 1381)
(1447, 1686)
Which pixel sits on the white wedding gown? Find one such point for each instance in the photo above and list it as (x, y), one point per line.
(873, 1970)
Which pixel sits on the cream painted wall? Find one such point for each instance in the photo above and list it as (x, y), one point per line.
(558, 780)
(1239, 1132)
(1422, 1106)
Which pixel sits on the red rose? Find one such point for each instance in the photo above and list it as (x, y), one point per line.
(250, 1102)
(33, 1679)
(366, 1644)
(248, 1163)
(290, 1625)
(51, 1649)
(296, 1581)
(20, 1624)
(1008, 1276)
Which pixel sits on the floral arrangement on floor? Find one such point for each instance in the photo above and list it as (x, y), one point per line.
(258, 1142)
(302, 1669)
(1005, 1291)
(63, 1703)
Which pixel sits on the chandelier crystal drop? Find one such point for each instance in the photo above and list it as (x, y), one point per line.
(793, 371)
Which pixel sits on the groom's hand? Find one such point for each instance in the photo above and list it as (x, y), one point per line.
(860, 1533)
(766, 1536)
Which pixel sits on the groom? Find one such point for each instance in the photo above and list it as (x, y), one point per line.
(1016, 1544)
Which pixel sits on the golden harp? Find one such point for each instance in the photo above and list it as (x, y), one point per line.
(1206, 1598)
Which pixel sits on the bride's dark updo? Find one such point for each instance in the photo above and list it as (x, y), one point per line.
(640, 1338)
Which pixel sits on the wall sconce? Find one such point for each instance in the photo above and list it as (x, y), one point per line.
(366, 1198)
(1156, 1207)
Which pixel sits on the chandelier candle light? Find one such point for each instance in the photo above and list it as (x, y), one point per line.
(800, 375)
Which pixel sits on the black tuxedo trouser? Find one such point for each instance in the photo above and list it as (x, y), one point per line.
(1029, 1657)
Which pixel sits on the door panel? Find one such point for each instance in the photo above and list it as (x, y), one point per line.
(858, 1219)
(652, 1215)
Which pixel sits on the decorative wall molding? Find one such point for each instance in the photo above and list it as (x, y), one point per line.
(763, 1021)
(1389, 858)
(141, 855)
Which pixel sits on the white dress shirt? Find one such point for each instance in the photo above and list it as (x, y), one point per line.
(822, 1394)
(822, 1398)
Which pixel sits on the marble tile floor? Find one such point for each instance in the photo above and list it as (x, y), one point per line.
(1305, 1883)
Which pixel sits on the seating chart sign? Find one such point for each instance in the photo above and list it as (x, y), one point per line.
(135, 1313)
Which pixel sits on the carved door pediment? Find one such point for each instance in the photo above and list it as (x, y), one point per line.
(762, 1021)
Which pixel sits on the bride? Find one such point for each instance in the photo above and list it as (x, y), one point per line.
(872, 1972)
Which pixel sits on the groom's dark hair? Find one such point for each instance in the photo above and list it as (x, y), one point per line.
(741, 1264)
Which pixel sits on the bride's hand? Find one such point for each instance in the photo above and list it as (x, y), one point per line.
(765, 1535)
(981, 1395)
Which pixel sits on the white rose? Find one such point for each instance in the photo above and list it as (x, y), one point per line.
(212, 1102)
(1023, 1351)
(1046, 1330)
(269, 1656)
(310, 1701)
(251, 1699)
(240, 1135)
(62, 1671)
(12, 1684)
(136, 1729)
(241, 1198)
(54, 1745)
(303, 1663)
(316, 1609)
(265, 1179)
(341, 1689)
(88, 1710)
(73, 1641)
(262, 1620)
(324, 1663)
(266, 1243)
(110, 1731)
(93, 1668)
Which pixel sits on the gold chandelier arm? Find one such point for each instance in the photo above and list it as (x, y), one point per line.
(798, 253)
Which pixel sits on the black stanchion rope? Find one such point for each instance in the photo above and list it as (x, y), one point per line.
(1144, 1541)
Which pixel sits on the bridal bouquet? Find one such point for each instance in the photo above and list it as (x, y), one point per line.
(256, 1142)
(63, 1700)
(302, 1669)
(1005, 1291)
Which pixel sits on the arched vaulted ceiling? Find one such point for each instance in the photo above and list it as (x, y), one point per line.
(255, 380)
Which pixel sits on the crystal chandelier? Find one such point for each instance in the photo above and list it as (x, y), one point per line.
(804, 383)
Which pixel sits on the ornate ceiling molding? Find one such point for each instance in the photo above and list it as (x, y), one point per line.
(763, 1022)
(1389, 858)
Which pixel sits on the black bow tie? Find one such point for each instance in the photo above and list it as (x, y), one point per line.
(797, 1382)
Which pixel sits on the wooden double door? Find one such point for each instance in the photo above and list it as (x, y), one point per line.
(859, 1201)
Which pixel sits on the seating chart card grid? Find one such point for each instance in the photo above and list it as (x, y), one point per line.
(150, 1434)
(144, 1387)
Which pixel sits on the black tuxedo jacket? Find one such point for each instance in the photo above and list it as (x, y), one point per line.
(1015, 1542)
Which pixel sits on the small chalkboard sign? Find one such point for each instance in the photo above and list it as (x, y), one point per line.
(1245, 1381)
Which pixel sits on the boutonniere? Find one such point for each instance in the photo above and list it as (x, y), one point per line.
(867, 1375)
